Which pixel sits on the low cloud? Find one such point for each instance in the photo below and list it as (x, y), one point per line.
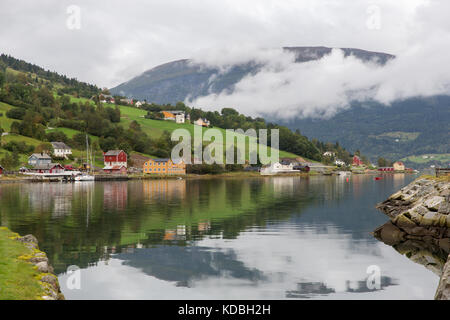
(321, 88)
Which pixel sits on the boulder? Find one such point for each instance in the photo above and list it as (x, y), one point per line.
(429, 218)
(434, 202)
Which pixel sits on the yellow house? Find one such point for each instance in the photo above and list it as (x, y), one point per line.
(163, 166)
(399, 166)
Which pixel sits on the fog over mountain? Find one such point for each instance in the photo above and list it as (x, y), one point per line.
(295, 82)
(230, 74)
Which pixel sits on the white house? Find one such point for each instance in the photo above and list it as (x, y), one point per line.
(180, 118)
(61, 150)
(202, 122)
(339, 163)
(329, 154)
(139, 104)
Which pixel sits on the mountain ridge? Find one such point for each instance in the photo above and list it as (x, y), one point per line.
(178, 80)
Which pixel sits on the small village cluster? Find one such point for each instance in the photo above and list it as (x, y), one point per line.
(115, 162)
(178, 116)
(357, 162)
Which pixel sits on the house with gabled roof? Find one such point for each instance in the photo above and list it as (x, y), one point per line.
(39, 159)
(61, 150)
(115, 158)
(202, 122)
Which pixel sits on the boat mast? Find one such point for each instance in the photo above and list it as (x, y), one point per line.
(87, 154)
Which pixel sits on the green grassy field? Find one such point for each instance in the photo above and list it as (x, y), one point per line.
(70, 133)
(18, 279)
(155, 128)
(444, 158)
(5, 122)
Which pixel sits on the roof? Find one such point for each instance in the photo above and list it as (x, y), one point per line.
(60, 145)
(113, 152)
(399, 163)
(114, 167)
(175, 112)
(46, 166)
(41, 156)
(160, 160)
(168, 114)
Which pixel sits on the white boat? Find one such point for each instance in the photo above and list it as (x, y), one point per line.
(85, 177)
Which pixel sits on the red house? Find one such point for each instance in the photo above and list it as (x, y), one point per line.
(1, 170)
(115, 158)
(115, 169)
(115, 161)
(48, 168)
(357, 161)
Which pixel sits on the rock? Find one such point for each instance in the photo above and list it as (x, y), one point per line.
(415, 216)
(429, 218)
(419, 209)
(403, 221)
(36, 259)
(444, 208)
(52, 280)
(443, 290)
(30, 241)
(396, 196)
(44, 267)
(389, 234)
(434, 202)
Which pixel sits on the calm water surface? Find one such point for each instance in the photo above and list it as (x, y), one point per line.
(249, 238)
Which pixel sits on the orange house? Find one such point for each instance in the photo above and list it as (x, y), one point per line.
(163, 166)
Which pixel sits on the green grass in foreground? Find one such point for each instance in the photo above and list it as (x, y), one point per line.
(17, 278)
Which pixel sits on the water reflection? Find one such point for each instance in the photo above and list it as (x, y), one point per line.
(428, 252)
(273, 237)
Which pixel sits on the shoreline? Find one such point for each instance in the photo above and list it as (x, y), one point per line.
(233, 174)
(29, 276)
(419, 226)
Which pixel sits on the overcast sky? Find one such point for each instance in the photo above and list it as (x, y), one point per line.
(117, 40)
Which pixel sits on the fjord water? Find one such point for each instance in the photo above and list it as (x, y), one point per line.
(232, 238)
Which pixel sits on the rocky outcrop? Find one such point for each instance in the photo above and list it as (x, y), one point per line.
(47, 280)
(420, 226)
(443, 291)
(422, 208)
(426, 251)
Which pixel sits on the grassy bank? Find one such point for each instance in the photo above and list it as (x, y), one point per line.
(430, 177)
(19, 280)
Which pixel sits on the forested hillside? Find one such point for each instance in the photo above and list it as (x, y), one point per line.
(38, 106)
(416, 126)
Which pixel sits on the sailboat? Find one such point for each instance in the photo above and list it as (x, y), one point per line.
(86, 176)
